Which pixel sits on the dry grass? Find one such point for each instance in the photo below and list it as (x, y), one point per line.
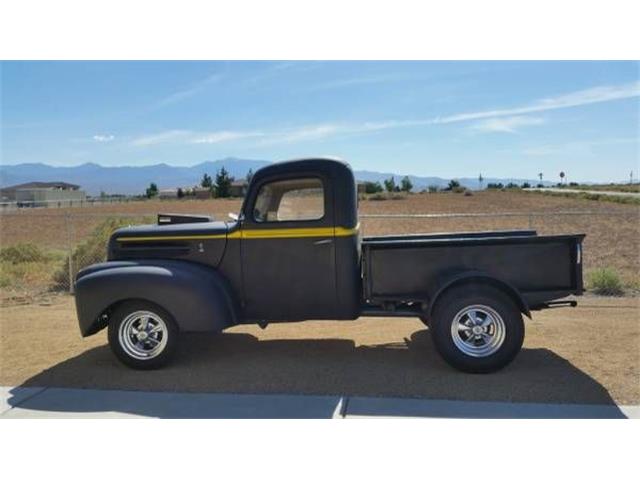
(612, 240)
(589, 354)
(49, 228)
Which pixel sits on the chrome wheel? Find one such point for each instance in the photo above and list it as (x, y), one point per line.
(143, 335)
(478, 331)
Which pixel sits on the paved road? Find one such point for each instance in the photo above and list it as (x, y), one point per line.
(44, 402)
(595, 192)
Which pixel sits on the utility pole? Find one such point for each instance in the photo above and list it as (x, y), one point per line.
(480, 180)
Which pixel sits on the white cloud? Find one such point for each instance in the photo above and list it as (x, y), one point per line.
(224, 136)
(588, 96)
(308, 132)
(497, 120)
(506, 124)
(326, 130)
(162, 137)
(190, 91)
(104, 138)
(364, 80)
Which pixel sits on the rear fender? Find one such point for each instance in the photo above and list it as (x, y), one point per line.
(463, 278)
(198, 297)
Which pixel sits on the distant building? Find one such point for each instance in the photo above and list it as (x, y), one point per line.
(39, 194)
(168, 193)
(238, 188)
(201, 193)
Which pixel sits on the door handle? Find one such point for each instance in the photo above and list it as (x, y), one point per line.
(323, 242)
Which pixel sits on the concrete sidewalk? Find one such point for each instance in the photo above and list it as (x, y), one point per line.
(43, 402)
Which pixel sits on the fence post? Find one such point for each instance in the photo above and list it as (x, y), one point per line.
(67, 216)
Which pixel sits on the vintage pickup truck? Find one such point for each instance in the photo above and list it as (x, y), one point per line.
(295, 252)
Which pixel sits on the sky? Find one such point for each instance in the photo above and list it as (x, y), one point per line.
(447, 119)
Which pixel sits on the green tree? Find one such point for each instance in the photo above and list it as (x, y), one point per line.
(390, 184)
(453, 184)
(406, 185)
(223, 183)
(180, 193)
(152, 190)
(206, 181)
(372, 187)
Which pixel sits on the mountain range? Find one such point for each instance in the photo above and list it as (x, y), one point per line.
(130, 180)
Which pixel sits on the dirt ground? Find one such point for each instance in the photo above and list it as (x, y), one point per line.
(589, 354)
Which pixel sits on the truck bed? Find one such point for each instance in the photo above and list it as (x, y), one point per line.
(408, 268)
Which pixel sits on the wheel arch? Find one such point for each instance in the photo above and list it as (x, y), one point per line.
(479, 278)
(197, 297)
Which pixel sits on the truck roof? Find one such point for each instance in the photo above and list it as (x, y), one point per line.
(323, 164)
(341, 182)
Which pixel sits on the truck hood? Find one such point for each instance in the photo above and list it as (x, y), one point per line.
(202, 242)
(166, 232)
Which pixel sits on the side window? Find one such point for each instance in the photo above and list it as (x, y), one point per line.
(290, 200)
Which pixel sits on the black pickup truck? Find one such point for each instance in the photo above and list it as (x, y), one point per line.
(295, 253)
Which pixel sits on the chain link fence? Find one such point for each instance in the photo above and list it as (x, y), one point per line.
(41, 251)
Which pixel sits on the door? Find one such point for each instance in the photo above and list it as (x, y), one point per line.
(288, 249)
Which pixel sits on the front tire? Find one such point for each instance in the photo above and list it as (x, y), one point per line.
(477, 328)
(142, 335)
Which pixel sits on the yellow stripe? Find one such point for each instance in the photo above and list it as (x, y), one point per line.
(255, 234)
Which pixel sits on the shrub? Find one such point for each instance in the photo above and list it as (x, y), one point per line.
(372, 187)
(378, 197)
(22, 253)
(459, 189)
(92, 250)
(433, 188)
(605, 281)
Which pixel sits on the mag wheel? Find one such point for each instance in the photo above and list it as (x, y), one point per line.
(142, 335)
(477, 328)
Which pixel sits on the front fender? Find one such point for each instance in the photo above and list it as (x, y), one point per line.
(198, 297)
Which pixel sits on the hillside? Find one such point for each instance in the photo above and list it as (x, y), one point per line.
(130, 180)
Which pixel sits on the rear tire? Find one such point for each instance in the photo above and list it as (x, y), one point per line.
(477, 328)
(142, 335)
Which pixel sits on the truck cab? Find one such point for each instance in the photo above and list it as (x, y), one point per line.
(295, 252)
